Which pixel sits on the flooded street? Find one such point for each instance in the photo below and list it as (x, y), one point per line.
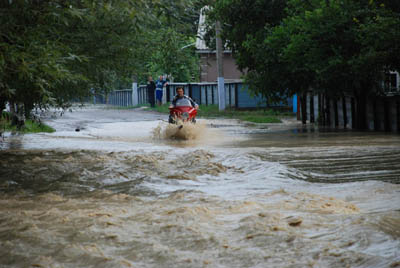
(127, 190)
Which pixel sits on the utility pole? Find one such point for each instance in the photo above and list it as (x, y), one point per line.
(135, 95)
(220, 62)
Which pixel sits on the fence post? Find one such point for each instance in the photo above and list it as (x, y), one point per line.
(200, 90)
(229, 95)
(164, 95)
(206, 90)
(328, 111)
(303, 102)
(398, 115)
(212, 94)
(236, 95)
(167, 94)
(312, 119)
(387, 116)
(336, 113)
(134, 94)
(344, 108)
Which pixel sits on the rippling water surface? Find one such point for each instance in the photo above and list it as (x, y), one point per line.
(128, 190)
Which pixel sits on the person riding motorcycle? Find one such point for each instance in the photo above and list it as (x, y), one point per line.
(180, 93)
(179, 97)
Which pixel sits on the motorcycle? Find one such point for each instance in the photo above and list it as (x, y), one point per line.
(183, 112)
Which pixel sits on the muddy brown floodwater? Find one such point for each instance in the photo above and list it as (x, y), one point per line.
(128, 190)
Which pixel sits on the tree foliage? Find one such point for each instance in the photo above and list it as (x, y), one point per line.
(333, 46)
(173, 35)
(52, 51)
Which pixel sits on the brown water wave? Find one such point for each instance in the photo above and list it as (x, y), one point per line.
(336, 164)
(137, 202)
(188, 229)
(180, 230)
(105, 209)
(77, 172)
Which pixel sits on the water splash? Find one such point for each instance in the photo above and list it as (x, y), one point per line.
(183, 131)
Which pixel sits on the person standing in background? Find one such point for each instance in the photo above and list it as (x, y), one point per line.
(160, 83)
(151, 88)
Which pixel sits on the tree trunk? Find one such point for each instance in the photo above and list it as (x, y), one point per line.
(335, 110)
(322, 113)
(376, 117)
(2, 104)
(312, 120)
(398, 115)
(13, 115)
(303, 101)
(361, 111)
(15, 111)
(344, 107)
(353, 114)
(387, 115)
(28, 107)
(298, 115)
(328, 111)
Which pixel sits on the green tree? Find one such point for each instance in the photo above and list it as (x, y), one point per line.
(52, 51)
(171, 39)
(175, 55)
(332, 46)
(346, 46)
(245, 25)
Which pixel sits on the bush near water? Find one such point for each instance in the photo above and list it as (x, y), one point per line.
(29, 126)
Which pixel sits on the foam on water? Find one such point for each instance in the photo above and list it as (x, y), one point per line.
(182, 131)
(147, 194)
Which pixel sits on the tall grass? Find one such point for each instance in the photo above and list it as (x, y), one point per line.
(35, 127)
(30, 126)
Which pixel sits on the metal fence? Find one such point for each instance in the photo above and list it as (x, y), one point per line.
(202, 93)
(236, 95)
(120, 98)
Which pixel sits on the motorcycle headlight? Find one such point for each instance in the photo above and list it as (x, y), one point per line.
(185, 116)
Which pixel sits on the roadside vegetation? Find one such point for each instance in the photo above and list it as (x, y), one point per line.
(56, 52)
(254, 116)
(29, 126)
(335, 47)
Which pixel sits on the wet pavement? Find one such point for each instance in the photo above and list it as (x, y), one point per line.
(128, 190)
